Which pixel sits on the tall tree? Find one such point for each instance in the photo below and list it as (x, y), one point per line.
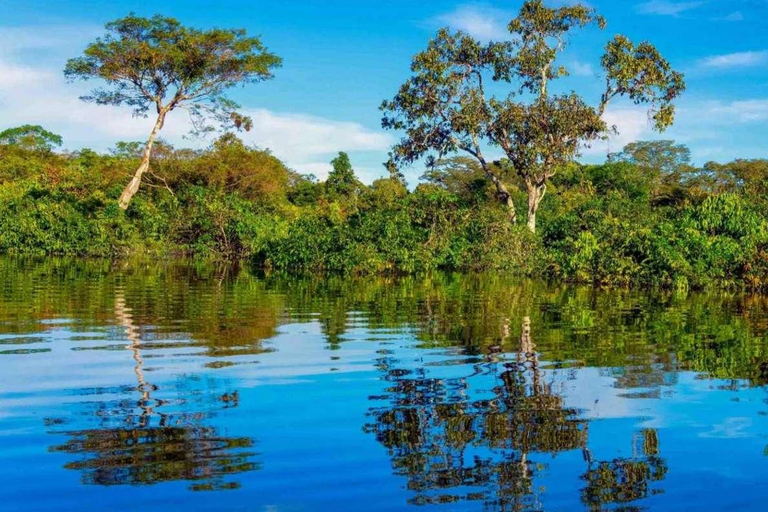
(444, 106)
(341, 180)
(664, 156)
(156, 63)
(31, 137)
(461, 176)
(747, 176)
(664, 164)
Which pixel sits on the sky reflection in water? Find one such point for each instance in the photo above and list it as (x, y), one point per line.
(133, 384)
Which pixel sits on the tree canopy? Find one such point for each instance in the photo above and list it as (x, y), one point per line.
(341, 180)
(751, 176)
(32, 137)
(158, 63)
(444, 106)
(663, 155)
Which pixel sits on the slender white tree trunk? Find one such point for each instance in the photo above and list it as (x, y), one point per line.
(507, 199)
(535, 195)
(532, 221)
(130, 190)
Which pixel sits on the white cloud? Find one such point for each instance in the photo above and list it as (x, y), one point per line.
(37, 93)
(742, 111)
(33, 90)
(735, 60)
(702, 123)
(582, 69)
(308, 143)
(631, 124)
(734, 16)
(667, 8)
(41, 96)
(483, 22)
(45, 38)
(19, 76)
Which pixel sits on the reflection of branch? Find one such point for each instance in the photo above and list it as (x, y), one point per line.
(125, 318)
(623, 480)
(527, 354)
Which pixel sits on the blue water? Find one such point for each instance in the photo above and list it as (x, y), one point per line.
(146, 385)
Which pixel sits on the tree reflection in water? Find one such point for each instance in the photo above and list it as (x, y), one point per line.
(452, 447)
(152, 447)
(479, 428)
(625, 480)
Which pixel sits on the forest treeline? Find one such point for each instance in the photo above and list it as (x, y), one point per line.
(644, 217)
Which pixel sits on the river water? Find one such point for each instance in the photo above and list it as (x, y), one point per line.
(155, 384)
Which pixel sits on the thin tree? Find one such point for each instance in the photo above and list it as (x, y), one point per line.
(158, 64)
(445, 108)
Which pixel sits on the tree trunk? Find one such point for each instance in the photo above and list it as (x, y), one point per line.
(532, 220)
(130, 190)
(507, 199)
(503, 193)
(535, 195)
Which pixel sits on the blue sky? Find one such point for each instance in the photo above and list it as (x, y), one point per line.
(342, 58)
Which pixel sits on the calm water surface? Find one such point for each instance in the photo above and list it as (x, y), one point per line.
(147, 385)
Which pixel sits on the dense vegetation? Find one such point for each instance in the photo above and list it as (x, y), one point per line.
(644, 217)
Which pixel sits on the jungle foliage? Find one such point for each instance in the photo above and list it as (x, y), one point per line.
(645, 217)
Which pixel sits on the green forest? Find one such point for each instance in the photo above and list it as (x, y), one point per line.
(647, 216)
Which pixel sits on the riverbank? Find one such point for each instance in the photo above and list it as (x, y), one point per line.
(617, 224)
